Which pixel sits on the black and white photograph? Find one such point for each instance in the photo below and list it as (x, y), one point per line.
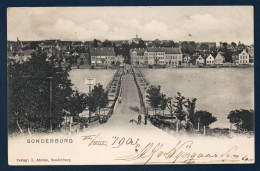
(135, 85)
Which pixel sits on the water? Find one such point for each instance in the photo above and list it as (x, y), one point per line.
(102, 76)
(218, 90)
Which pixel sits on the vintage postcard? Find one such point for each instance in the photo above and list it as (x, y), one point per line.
(130, 85)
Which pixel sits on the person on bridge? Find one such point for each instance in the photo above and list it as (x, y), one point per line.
(139, 119)
(145, 120)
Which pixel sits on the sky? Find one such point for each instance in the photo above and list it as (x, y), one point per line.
(200, 24)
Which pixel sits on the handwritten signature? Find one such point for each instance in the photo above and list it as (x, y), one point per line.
(158, 153)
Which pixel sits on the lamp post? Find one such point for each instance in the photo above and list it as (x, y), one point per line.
(50, 117)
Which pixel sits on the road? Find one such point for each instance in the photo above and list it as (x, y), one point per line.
(126, 111)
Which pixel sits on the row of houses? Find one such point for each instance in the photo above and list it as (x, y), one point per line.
(20, 57)
(242, 57)
(156, 56)
(211, 60)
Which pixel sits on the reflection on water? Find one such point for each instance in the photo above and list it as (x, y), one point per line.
(218, 90)
(103, 76)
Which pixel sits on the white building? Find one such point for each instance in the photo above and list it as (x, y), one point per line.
(219, 59)
(210, 60)
(243, 58)
(174, 56)
(200, 60)
(156, 56)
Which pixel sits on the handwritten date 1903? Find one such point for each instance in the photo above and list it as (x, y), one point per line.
(119, 141)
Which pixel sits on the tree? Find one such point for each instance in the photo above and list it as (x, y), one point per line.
(224, 44)
(178, 104)
(171, 43)
(233, 44)
(92, 105)
(164, 102)
(154, 96)
(204, 117)
(190, 105)
(141, 44)
(133, 45)
(100, 97)
(33, 45)
(204, 46)
(170, 107)
(241, 46)
(165, 44)
(126, 52)
(78, 102)
(95, 43)
(107, 43)
(191, 48)
(184, 47)
(228, 55)
(29, 94)
(156, 43)
(243, 119)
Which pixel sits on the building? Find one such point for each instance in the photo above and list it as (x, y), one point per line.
(243, 58)
(138, 56)
(219, 59)
(200, 60)
(174, 56)
(119, 60)
(186, 58)
(83, 59)
(21, 56)
(49, 44)
(102, 56)
(135, 40)
(156, 56)
(210, 60)
(75, 54)
(235, 57)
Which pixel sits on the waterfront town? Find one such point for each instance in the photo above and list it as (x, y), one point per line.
(137, 52)
(122, 58)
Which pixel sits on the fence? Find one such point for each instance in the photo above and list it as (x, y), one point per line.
(136, 71)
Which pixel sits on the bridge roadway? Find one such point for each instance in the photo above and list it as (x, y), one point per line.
(120, 120)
